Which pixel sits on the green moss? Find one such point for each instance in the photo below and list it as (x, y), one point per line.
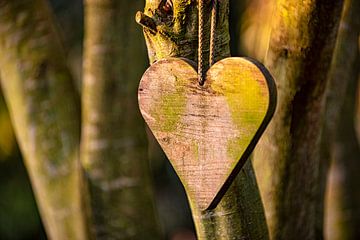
(248, 102)
(196, 152)
(172, 105)
(233, 149)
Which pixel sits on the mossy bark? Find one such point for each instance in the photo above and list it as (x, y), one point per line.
(339, 142)
(44, 109)
(287, 159)
(113, 150)
(173, 32)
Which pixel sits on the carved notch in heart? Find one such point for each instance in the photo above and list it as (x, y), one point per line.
(209, 131)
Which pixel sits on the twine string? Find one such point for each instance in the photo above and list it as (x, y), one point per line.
(201, 60)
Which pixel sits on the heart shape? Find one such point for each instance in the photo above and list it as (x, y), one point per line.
(207, 132)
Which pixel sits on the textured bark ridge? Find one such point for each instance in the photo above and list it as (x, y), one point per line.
(208, 131)
(44, 109)
(287, 157)
(113, 151)
(173, 32)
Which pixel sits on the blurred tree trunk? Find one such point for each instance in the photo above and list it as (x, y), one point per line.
(236, 22)
(173, 32)
(113, 152)
(301, 47)
(343, 198)
(256, 27)
(44, 109)
(339, 142)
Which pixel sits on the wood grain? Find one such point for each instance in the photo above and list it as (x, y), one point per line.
(209, 131)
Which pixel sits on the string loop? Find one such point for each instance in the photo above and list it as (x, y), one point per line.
(212, 33)
(201, 61)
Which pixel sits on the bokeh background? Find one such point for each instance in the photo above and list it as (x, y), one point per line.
(19, 217)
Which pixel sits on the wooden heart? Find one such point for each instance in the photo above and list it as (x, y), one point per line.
(209, 131)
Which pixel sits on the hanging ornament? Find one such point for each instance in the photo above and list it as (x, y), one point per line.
(207, 122)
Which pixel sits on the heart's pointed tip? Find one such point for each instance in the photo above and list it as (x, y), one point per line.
(206, 197)
(205, 203)
(201, 203)
(207, 206)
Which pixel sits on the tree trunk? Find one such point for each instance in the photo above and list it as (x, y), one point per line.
(339, 142)
(287, 157)
(114, 154)
(173, 32)
(343, 198)
(44, 109)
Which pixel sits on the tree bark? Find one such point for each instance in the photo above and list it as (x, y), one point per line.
(173, 32)
(287, 157)
(339, 142)
(113, 151)
(44, 109)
